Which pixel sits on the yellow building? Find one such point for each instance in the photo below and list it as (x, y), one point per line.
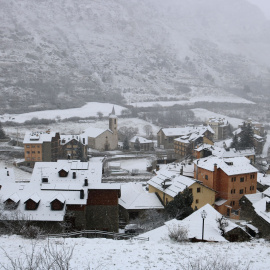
(167, 186)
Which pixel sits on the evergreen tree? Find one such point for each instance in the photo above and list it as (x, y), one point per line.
(235, 142)
(180, 206)
(137, 145)
(246, 137)
(126, 144)
(2, 132)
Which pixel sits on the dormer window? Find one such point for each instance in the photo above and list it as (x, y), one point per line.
(9, 204)
(45, 179)
(32, 203)
(57, 205)
(229, 163)
(63, 173)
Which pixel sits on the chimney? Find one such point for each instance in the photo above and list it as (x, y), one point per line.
(215, 166)
(7, 173)
(81, 194)
(267, 207)
(86, 182)
(74, 175)
(181, 170)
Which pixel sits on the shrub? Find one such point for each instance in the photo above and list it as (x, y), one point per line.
(178, 233)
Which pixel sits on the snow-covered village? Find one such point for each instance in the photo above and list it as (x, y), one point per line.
(135, 134)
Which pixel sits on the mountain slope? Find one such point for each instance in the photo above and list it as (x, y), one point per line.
(62, 53)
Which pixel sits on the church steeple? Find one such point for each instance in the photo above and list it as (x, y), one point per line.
(113, 111)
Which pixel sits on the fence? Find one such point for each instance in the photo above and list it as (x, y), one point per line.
(96, 234)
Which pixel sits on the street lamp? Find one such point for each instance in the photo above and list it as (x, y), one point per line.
(203, 214)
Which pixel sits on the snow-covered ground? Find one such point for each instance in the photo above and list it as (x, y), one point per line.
(88, 110)
(192, 100)
(139, 164)
(77, 127)
(163, 254)
(203, 115)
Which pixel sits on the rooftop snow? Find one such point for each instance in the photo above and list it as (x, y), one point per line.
(240, 165)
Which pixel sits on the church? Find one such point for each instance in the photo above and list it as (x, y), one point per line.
(100, 139)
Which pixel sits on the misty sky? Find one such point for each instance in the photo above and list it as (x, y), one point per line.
(264, 5)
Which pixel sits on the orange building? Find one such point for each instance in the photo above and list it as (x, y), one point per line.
(41, 146)
(232, 178)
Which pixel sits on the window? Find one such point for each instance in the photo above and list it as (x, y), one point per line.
(198, 190)
(27, 146)
(232, 203)
(206, 177)
(33, 146)
(233, 179)
(197, 201)
(241, 191)
(242, 179)
(38, 152)
(38, 146)
(28, 152)
(170, 139)
(33, 152)
(232, 191)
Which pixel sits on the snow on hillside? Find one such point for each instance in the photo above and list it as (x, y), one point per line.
(90, 109)
(228, 98)
(125, 254)
(203, 115)
(77, 127)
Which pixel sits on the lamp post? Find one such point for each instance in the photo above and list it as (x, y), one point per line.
(203, 214)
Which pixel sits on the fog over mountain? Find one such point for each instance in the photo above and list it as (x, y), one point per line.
(62, 53)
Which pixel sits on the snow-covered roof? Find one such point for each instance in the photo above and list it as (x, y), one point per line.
(34, 197)
(226, 153)
(193, 225)
(186, 130)
(93, 132)
(65, 189)
(175, 184)
(260, 208)
(255, 197)
(64, 139)
(14, 197)
(59, 197)
(263, 179)
(141, 140)
(231, 166)
(38, 137)
(174, 169)
(133, 196)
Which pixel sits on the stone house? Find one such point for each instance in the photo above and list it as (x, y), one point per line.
(72, 147)
(220, 127)
(232, 178)
(166, 136)
(145, 145)
(255, 208)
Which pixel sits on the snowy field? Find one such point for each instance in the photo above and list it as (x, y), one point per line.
(203, 115)
(192, 100)
(77, 128)
(90, 109)
(165, 254)
(139, 164)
